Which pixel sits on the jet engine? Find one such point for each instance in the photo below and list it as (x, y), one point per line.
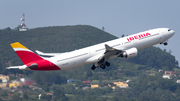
(132, 52)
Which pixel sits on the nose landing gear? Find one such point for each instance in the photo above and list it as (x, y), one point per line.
(165, 43)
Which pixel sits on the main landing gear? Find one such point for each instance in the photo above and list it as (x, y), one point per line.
(93, 67)
(103, 66)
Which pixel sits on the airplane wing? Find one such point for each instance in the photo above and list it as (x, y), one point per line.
(109, 53)
(47, 54)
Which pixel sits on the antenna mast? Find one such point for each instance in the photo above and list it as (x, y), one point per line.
(23, 26)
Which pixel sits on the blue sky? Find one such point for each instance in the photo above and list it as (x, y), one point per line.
(117, 16)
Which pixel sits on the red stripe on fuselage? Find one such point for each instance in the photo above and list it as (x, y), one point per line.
(44, 65)
(29, 58)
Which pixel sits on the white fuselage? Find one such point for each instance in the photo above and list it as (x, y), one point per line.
(93, 53)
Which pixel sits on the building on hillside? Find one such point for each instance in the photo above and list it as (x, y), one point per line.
(49, 94)
(72, 81)
(22, 80)
(121, 84)
(109, 85)
(127, 81)
(86, 87)
(10, 74)
(168, 74)
(26, 81)
(87, 82)
(160, 70)
(10, 94)
(4, 78)
(178, 81)
(113, 87)
(21, 75)
(29, 83)
(94, 86)
(2, 85)
(165, 76)
(15, 84)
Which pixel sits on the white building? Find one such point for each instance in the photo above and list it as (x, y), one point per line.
(178, 81)
(167, 76)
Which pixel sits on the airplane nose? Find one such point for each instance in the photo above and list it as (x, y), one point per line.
(172, 32)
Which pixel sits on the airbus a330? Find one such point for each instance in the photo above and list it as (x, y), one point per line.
(98, 55)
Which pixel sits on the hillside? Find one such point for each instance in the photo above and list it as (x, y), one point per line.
(68, 38)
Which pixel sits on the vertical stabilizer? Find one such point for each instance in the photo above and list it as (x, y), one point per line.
(26, 55)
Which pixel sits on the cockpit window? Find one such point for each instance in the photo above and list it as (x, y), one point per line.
(169, 29)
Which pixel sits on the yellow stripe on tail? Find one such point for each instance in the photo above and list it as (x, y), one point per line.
(18, 45)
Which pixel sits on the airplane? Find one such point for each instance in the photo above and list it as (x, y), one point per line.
(98, 55)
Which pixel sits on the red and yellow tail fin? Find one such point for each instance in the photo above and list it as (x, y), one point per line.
(26, 55)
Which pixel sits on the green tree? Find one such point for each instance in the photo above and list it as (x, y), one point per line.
(47, 97)
(45, 87)
(25, 96)
(178, 92)
(60, 96)
(1, 99)
(16, 98)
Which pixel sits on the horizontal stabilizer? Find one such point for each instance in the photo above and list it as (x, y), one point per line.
(32, 66)
(17, 67)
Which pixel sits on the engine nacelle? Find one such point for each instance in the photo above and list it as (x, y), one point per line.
(132, 52)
